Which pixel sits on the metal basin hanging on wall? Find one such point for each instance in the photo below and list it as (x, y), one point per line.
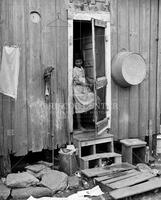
(128, 69)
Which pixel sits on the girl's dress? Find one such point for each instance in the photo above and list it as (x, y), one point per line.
(83, 96)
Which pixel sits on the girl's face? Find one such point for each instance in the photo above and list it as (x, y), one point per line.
(78, 62)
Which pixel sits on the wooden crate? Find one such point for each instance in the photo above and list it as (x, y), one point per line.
(133, 148)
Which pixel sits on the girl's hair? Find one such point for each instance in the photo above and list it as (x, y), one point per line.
(78, 55)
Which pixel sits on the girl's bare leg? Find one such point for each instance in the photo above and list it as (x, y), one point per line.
(78, 116)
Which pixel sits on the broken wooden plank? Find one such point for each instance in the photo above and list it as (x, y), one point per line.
(114, 168)
(111, 176)
(132, 180)
(121, 178)
(136, 189)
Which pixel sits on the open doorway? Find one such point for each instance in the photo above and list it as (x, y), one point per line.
(89, 41)
(82, 45)
(90, 35)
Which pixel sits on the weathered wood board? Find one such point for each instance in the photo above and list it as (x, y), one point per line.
(136, 189)
(128, 175)
(25, 122)
(134, 28)
(113, 176)
(138, 178)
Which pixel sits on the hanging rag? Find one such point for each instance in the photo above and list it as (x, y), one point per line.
(9, 71)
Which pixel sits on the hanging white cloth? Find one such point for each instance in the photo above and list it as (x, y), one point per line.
(9, 71)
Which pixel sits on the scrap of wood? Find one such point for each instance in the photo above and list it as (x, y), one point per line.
(136, 189)
(111, 176)
(143, 176)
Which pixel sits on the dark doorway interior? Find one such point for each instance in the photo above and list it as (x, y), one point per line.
(82, 42)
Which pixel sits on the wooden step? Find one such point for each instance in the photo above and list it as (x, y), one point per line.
(85, 161)
(110, 171)
(91, 144)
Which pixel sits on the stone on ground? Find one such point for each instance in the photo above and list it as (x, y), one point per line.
(55, 180)
(47, 164)
(21, 180)
(35, 168)
(73, 182)
(41, 173)
(37, 192)
(4, 191)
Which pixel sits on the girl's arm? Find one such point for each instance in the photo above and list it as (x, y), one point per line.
(79, 82)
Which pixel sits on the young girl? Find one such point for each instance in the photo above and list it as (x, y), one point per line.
(83, 96)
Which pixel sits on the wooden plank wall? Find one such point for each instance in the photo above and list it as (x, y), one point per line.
(134, 28)
(25, 123)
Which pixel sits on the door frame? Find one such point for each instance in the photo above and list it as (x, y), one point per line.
(88, 16)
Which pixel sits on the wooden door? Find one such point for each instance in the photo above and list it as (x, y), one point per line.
(100, 77)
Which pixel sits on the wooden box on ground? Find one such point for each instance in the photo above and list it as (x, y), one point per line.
(133, 151)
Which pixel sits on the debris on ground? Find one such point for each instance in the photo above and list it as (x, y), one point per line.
(73, 182)
(85, 184)
(143, 167)
(80, 195)
(116, 180)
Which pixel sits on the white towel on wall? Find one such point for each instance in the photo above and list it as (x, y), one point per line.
(9, 71)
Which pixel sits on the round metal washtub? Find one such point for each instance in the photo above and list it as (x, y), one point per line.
(128, 69)
(158, 151)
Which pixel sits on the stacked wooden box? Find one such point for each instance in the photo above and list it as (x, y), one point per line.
(94, 150)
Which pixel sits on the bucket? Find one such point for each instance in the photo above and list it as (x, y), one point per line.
(68, 162)
(158, 151)
(128, 69)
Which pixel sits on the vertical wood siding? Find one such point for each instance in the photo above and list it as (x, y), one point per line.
(134, 28)
(25, 123)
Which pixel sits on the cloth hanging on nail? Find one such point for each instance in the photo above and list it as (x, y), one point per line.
(9, 71)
